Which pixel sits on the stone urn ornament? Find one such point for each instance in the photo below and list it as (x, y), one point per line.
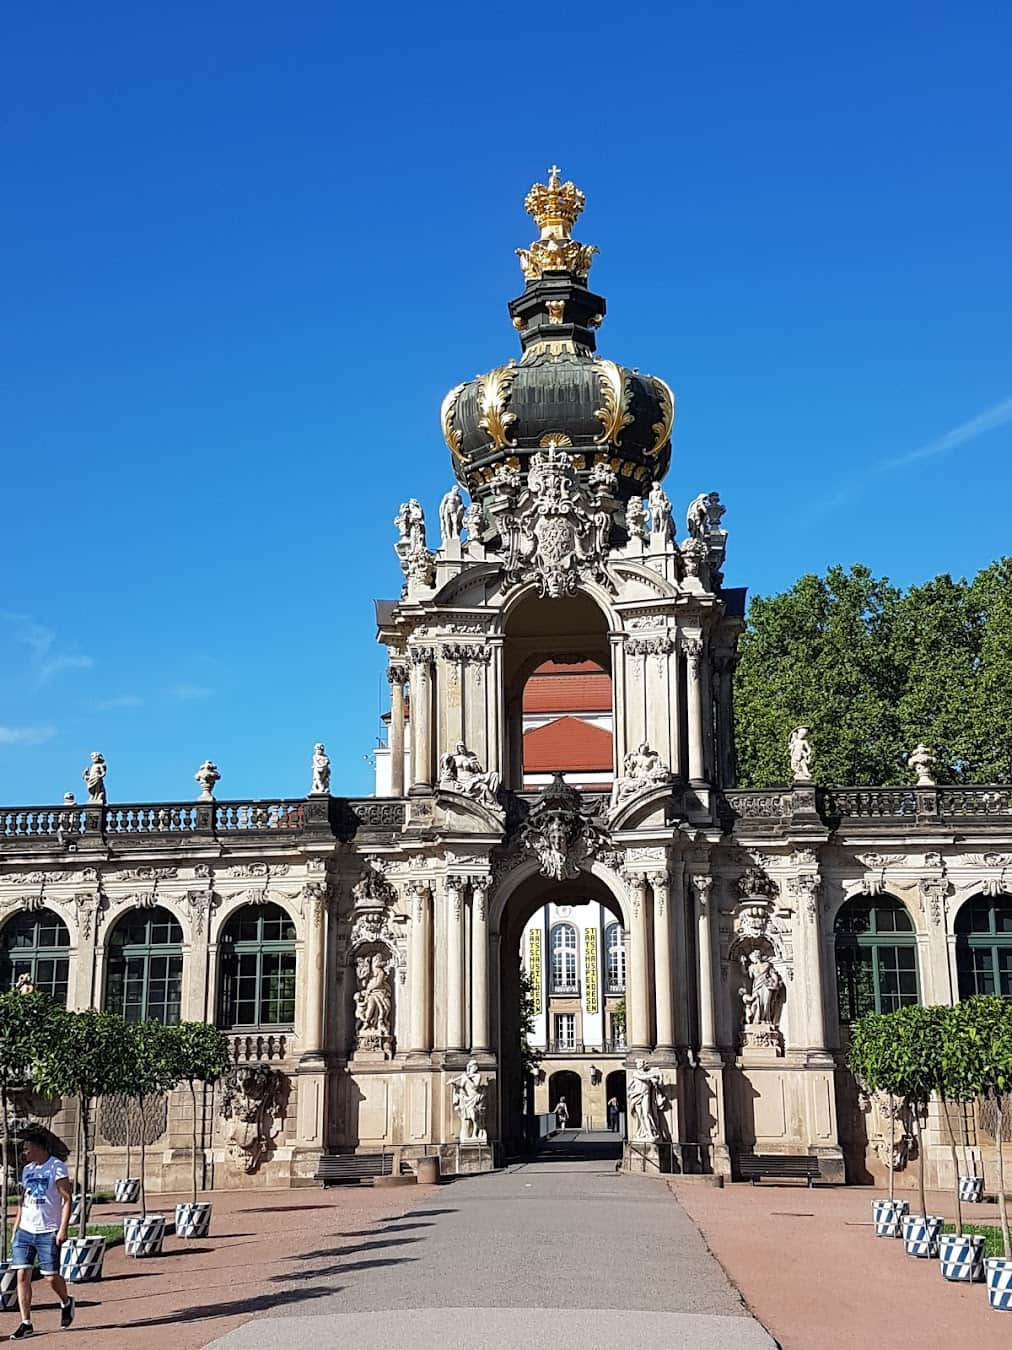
(922, 760)
(206, 777)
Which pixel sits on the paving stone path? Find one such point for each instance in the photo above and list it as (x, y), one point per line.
(561, 1251)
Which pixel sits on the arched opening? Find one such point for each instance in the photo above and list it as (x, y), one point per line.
(257, 962)
(565, 1086)
(984, 946)
(558, 693)
(876, 957)
(555, 1017)
(614, 1086)
(144, 977)
(35, 949)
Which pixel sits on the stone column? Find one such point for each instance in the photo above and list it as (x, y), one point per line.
(481, 1035)
(703, 889)
(804, 890)
(455, 963)
(726, 766)
(663, 986)
(421, 719)
(314, 896)
(420, 967)
(638, 1035)
(676, 902)
(692, 645)
(397, 675)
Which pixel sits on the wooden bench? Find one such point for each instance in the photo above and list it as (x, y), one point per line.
(334, 1169)
(777, 1166)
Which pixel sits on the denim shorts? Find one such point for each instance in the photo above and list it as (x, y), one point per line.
(29, 1245)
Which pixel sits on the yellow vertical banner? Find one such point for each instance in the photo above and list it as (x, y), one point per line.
(535, 971)
(590, 961)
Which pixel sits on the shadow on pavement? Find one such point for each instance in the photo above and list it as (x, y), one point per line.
(209, 1311)
(358, 1247)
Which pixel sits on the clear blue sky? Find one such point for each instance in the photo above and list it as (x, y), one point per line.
(247, 248)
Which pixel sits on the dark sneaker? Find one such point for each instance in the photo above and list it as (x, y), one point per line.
(67, 1311)
(25, 1329)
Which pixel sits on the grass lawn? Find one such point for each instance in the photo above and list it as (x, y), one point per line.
(992, 1236)
(112, 1232)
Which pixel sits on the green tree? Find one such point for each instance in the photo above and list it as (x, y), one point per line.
(24, 1027)
(528, 1055)
(911, 1051)
(989, 752)
(877, 1065)
(984, 1026)
(152, 1073)
(199, 1054)
(83, 1056)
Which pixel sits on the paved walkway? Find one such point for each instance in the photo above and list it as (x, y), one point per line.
(564, 1250)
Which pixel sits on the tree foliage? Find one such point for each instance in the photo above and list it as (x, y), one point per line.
(872, 670)
(24, 1031)
(199, 1054)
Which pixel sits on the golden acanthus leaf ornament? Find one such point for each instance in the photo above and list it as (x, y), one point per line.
(450, 433)
(616, 396)
(662, 429)
(493, 394)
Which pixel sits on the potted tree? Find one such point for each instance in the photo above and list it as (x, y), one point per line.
(957, 1072)
(151, 1075)
(24, 1019)
(914, 1032)
(199, 1054)
(873, 1062)
(987, 1024)
(83, 1056)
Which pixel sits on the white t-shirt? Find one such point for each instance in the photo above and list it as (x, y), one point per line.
(41, 1201)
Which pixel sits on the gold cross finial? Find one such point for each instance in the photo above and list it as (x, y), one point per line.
(553, 175)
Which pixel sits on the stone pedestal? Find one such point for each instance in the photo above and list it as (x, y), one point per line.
(648, 1159)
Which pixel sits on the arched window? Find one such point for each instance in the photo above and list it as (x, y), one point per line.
(876, 958)
(145, 975)
(36, 945)
(984, 947)
(565, 979)
(614, 956)
(257, 956)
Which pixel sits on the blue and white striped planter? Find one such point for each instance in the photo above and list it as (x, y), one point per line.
(193, 1221)
(144, 1235)
(888, 1216)
(961, 1258)
(75, 1209)
(81, 1259)
(8, 1288)
(921, 1234)
(128, 1190)
(999, 1283)
(971, 1190)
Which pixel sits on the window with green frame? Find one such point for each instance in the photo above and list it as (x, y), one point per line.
(876, 958)
(36, 944)
(144, 977)
(984, 946)
(257, 963)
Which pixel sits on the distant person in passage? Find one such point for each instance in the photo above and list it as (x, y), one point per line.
(613, 1114)
(561, 1114)
(40, 1229)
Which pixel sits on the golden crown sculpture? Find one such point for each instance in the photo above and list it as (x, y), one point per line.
(555, 207)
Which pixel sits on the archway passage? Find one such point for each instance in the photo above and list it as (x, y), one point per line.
(556, 1014)
(615, 1101)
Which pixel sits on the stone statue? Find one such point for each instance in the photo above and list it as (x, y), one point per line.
(23, 984)
(253, 1106)
(401, 521)
(696, 518)
(94, 778)
(642, 769)
(660, 514)
(416, 525)
(800, 751)
(472, 522)
(206, 776)
(321, 772)
(451, 514)
(460, 771)
(642, 1094)
(469, 1104)
(374, 1002)
(766, 985)
(922, 760)
(636, 519)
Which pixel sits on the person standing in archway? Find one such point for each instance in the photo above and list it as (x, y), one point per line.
(561, 1114)
(613, 1114)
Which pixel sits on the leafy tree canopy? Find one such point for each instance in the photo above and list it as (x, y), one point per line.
(872, 670)
(198, 1052)
(25, 1022)
(84, 1054)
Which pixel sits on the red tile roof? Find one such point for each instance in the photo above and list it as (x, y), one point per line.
(581, 687)
(567, 745)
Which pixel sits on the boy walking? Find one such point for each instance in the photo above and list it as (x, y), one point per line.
(40, 1227)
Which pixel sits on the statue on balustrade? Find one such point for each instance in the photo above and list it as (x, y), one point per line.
(451, 514)
(660, 514)
(460, 771)
(800, 750)
(94, 778)
(321, 772)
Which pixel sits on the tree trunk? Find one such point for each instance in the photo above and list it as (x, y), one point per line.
(892, 1148)
(83, 1220)
(127, 1101)
(955, 1166)
(4, 1192)
(1002, 1206)
(193, 1097)
(144, 1159)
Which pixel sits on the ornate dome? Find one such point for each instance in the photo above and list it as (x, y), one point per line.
(560, 390)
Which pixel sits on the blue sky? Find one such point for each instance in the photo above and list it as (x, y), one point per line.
(246, 249)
